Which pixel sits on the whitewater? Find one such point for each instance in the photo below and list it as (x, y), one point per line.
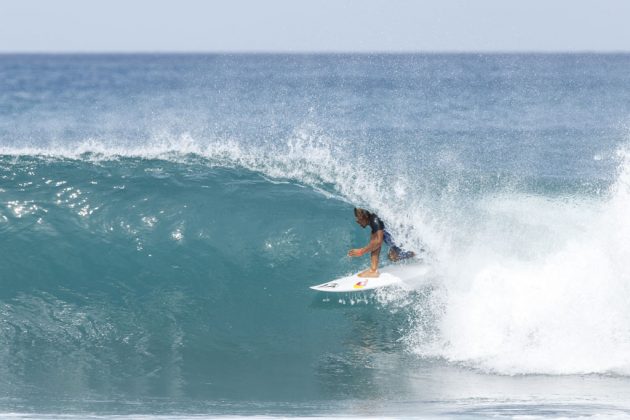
(162, 217)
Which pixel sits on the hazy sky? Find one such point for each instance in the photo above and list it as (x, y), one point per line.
(310, 26)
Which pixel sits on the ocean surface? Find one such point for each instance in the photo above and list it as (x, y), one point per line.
(162, 216)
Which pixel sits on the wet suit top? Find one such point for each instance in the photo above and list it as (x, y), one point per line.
(377, 224)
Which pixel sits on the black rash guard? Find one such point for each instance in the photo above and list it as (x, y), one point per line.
(376, 223)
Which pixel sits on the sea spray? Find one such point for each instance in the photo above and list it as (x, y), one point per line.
(541, 286)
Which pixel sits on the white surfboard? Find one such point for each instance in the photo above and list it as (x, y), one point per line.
(389, 276)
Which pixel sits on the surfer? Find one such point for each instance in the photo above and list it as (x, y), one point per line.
(377, 237)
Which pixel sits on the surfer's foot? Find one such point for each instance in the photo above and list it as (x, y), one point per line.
(369, 273)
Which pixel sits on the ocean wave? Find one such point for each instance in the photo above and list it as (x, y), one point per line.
(531, 281)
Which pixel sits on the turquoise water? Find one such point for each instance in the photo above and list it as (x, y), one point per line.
(163, 216)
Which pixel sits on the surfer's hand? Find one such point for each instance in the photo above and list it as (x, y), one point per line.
(355, 252)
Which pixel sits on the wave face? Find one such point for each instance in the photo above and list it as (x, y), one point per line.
(150, 277)
(163, 216)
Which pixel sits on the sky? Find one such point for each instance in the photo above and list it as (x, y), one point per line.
(314, 26)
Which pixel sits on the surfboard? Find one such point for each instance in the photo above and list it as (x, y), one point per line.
(391, 275)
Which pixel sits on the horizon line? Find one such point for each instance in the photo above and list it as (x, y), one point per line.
(320, 52)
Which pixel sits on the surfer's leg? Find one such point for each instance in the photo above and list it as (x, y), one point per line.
(373, 270)
(387, 239)
(402, 255)
(393, 253)
(396, 253)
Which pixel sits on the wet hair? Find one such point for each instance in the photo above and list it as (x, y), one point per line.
(359, 212)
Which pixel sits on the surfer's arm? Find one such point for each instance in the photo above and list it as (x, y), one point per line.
(376, 240)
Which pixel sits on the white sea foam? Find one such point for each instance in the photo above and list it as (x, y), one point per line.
(541, 286)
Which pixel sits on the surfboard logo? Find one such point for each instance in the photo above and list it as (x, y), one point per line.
(361, 284)
(330, 285)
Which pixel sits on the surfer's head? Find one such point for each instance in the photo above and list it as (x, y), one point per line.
(362, 216)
